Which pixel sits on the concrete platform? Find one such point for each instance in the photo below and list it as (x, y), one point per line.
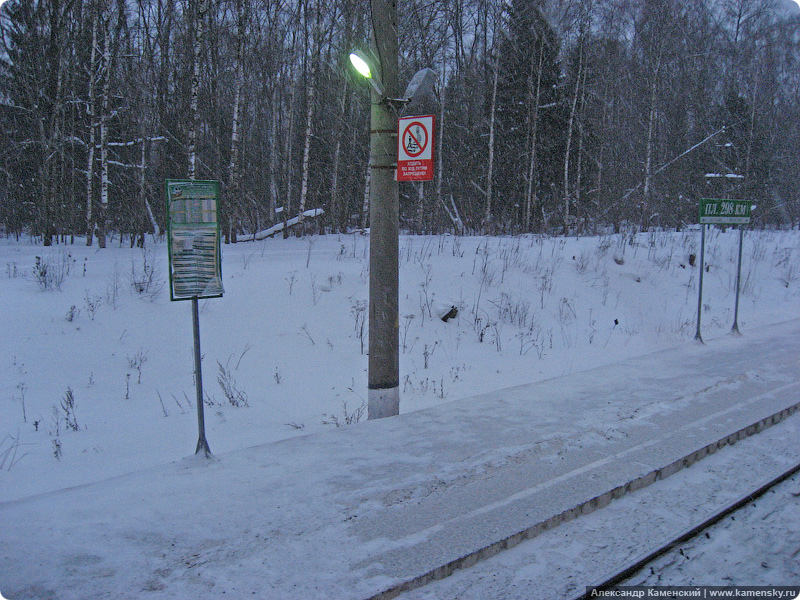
(371, 510)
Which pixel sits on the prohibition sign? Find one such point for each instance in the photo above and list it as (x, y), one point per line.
(415, 139)
(415, 148)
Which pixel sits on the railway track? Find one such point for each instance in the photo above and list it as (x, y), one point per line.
(632, 568)
(634, 542)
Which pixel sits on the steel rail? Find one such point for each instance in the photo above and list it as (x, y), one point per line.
(692, 532)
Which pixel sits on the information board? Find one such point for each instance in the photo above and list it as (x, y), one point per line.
(715, 211)
(195, 261)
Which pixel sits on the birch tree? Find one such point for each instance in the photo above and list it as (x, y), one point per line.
(314, 39)
(91, 109)
(487, 218)
(338, 205)
(197, 10)
(105, 70)
(234, 181)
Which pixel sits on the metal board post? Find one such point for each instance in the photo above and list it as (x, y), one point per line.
(697, 335)
(735, 328)
(202, 443)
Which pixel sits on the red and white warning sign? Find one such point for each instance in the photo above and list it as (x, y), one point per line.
(415, 148)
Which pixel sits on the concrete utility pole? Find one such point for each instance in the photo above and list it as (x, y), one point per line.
(384, 360)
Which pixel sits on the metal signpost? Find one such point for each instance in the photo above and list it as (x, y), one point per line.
(195, 262)
(715, 211)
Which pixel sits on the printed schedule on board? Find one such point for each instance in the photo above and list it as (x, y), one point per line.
(195, 262)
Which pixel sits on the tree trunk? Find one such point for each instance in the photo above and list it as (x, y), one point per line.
(273, 155)
(165, 17)
(579, 153)
(49, 121)
(307, 142)
(287, 204)
(194, 116)
(530, 188)
(343, 101)
(334, 202)
(289, 143)
(101, 212)
(570, 123)
(234, 187)
(365, 203)
(487, 217)
(143, 203)
(440, 153)
(311, 87)
(420, 207)
(749, 151)
(648, 155)
(92, 115)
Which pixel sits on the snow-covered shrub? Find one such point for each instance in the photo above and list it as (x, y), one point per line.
(348, 417)
(113, 287)
(145, 277)
(236, 397)
(582, 261)
(72, 313)
(68, 407)
(136, 362)
(50, 272)
(12, 271)
(513, 310)
(358, 309)
(10, 452)
(57, 448)
(789, 276)
(92, 303)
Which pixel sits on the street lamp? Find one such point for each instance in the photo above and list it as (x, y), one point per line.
(420, 85)
(362, 63)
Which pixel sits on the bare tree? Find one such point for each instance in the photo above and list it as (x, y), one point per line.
(546, 110)
(197, 10)
(91, 113)
(234, 180)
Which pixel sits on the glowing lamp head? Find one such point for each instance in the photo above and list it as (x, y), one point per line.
(361, 65)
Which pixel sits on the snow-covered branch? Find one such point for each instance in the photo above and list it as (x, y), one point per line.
(278, 227)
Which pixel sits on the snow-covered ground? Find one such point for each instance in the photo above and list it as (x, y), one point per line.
(96, 369)
(350, 512)
(96, 382)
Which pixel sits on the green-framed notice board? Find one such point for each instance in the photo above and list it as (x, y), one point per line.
(195, 260)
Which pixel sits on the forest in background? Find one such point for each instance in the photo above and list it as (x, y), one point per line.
(552, 116)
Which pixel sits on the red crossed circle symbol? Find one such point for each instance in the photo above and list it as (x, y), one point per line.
(411, 144)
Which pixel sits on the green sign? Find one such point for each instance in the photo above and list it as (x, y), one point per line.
(195, 261)
(714, 211)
